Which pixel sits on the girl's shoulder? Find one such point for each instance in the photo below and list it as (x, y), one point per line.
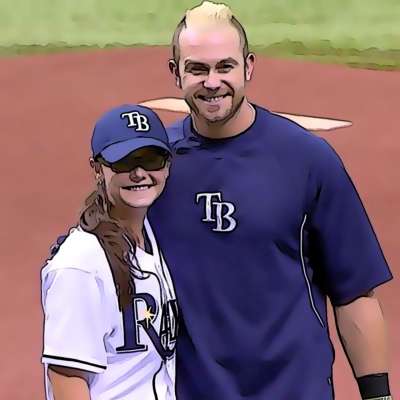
(80, 250)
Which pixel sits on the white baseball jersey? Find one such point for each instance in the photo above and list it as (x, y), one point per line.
(131, 353)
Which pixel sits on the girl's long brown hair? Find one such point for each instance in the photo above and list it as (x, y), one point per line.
(116, 242)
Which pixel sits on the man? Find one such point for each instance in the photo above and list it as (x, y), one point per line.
(260, 224)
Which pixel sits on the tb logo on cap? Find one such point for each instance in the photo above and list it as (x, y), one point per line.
(136, 120)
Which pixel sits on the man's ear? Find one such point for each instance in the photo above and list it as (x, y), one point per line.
(174, 69)
(249, 66)
(172, 65)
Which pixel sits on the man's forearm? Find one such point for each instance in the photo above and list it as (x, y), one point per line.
(362, 331)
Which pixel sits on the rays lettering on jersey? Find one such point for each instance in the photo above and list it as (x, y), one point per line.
(218, 211)
(136, 120)
(133, 319)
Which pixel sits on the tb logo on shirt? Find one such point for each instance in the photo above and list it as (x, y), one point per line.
(218, 211)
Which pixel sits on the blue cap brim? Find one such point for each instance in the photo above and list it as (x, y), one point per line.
(117, 151)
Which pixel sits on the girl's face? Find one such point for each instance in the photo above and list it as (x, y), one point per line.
(138, 179)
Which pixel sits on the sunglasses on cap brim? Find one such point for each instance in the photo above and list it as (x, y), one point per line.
(155, 159)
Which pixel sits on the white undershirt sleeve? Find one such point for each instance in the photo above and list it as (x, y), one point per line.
(74, 322)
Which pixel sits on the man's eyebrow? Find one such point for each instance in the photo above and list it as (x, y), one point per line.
(194, 62)
(228, 60)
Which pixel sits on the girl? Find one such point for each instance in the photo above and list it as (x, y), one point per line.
(109, 304)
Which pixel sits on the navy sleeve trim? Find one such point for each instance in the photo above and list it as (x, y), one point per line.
(344, 301)
(74, 360)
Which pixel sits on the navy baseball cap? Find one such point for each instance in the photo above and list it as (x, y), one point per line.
(127, 128)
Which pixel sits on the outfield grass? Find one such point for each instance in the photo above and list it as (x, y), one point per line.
(355, 31)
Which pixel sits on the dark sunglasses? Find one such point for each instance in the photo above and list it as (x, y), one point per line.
(149, 160)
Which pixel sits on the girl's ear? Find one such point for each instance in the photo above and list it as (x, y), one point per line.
(168, 165)
(91, 162)
(98, 173)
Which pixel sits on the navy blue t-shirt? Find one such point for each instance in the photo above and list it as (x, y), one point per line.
(258, 230)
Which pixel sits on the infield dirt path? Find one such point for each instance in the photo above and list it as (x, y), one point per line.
(48, 105)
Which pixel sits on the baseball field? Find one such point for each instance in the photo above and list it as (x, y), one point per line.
(63, 63)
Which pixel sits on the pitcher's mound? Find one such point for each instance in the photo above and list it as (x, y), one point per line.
(306, 121)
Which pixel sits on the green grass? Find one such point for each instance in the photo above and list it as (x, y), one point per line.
(324, 52)
(362, 32)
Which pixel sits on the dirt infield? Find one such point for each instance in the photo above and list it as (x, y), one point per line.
(47, 108)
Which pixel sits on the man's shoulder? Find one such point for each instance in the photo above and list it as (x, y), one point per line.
(284, 133)
(176, 130)
(282, 124)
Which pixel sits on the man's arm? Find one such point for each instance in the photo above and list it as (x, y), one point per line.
(362, 331)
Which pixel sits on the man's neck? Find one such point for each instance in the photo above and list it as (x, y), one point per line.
(238, 123)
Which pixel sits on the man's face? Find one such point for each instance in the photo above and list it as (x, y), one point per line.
(212, 71)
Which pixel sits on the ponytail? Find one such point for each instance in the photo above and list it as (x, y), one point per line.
(116, 242)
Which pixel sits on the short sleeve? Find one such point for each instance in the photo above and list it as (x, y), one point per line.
(176, 131)
(343, 242)
(73, 322)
